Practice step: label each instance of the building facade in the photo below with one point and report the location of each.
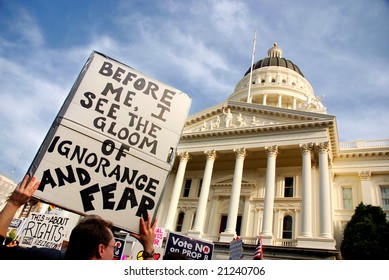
(268, 162)
(7, 186)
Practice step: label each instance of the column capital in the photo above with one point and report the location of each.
(184, 156)
(364, 175)
(306, 148)
(271, 150)
(240, 153)
(211, 154)
(323, 147)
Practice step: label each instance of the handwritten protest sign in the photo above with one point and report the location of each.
(45, 230)
(159, 232)
(112, 145)
(236, 249)
(191, 248)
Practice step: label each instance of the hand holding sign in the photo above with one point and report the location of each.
(24, 191)
(147, 235)
(20, 196)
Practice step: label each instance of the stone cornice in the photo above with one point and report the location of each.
(364, 148)
(255, 129)
(359, 154)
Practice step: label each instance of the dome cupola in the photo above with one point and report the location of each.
(275, 51)
(275, 59)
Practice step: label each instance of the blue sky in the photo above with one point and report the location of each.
(200, 47)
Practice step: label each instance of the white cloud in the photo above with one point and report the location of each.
(25, 25)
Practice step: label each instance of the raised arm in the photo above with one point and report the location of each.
(21, 195)
(146, 237)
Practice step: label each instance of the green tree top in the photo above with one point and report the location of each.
(366, 236)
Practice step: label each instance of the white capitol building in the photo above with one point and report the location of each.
(270, 163)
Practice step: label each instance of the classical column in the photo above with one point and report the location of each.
(184, 157)
(324, 191)
(366, 187)
(294, 104)
(272, 152)
(230, 232)
(306, 150)
(198, 226)
(279, 100)
(246, 221)
(264, 99)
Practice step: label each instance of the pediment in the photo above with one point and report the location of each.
(239, 116)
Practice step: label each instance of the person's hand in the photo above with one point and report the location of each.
(23, 191)
(147, 234)
(21, 195)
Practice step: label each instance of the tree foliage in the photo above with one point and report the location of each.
(366, 236)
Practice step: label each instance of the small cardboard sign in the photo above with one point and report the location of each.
(236, 249)
(159, 232)
(119, 248)
(15, 223)
(45, 230)
(189, 247)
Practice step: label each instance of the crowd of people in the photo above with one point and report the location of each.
(91, 239)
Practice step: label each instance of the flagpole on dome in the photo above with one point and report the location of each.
(251, 69)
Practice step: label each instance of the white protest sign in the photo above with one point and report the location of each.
(112, 145)
(45, 230)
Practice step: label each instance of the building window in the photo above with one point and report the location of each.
(186, 192)
(288, 191)
(180, 221)
(287, 228)
(347, 198)
(385, 197)
(200, 185)
(223, 224)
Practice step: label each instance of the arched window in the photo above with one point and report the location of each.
(180, 221)
(287, 228)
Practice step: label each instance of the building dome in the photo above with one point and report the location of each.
(275, 59)
(277, 82)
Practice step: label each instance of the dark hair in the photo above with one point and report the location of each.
(175, 256)
(8, 240)
(86, 237)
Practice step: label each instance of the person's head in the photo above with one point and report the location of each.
(8, 241)
(91, 239)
